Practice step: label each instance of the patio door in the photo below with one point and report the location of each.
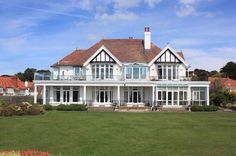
(172, 98)
(66, 96)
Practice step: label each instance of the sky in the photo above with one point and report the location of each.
(36, 34)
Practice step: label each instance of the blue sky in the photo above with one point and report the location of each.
(38, 33)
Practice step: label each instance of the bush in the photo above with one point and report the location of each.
(6, 111)
(196, 108)
(71, 107)
(48, 107)
(233, 107)
(36, 109)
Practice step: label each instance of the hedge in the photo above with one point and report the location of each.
(196, 108)
(69, 107)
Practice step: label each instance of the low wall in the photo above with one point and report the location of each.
(17, 99)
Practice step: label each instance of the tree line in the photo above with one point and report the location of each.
(228, 70)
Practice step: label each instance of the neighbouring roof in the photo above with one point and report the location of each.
(14, 82)
(227, 83)
(125, 50)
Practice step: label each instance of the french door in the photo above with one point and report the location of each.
(172, 98)
(66, 96)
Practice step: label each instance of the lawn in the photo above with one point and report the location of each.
(122, 134)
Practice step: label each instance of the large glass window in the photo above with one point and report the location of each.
(102, 71)
(199, 95)
(133, 95)
(135, 72)
(103, 94)
(167, 72)
(172, 95)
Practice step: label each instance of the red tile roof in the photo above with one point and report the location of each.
(13, 82)
(125, 50)
(227, 83)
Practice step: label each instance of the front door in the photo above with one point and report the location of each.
(66, 96)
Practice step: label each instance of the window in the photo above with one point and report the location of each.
(10, 91)
(143, 72)
(199, 95)
(102, 71)
(1, 90)
(56, 94)
(135, 72)
(167, 72)
(128, 72)
(77, 70)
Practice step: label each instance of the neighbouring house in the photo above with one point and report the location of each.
(12, 86)
(122, 72)
(226, 83)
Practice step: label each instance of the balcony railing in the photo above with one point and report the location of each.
(50, 76)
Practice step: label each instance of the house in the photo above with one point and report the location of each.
(13, 86)
(226, 83)
(130, 72)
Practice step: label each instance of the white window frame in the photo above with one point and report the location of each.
(130, 76)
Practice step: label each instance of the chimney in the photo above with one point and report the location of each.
(147, 38)
(26, 84)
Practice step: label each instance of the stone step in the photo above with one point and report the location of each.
(101, 109)
(132, 109)
(181, 109)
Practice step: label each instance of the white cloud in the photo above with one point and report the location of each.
(94, 37)
(152, 3)
(118, 15)
(185, 42)
(125, 4)
(189, 7)
(209, 59)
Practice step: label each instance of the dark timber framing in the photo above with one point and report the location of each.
(107, 58)
(176, 59)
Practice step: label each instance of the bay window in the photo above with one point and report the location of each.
(102, 71)
(168, 72)
(135, 72)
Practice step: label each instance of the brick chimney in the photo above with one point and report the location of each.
(147, 38)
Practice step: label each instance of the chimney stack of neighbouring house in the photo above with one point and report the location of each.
(147, 38)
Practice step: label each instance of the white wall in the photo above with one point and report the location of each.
(182, 71)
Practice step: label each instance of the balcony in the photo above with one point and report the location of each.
(51, 77)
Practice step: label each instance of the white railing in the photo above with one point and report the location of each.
(50, 76)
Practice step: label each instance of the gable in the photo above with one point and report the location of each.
(168, 57)
(102, 57)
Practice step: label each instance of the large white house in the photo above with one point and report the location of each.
(124, 72)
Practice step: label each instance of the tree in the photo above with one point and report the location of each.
(29, 74)
(230, 70)
(200, 75)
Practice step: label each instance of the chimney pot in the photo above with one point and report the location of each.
(147, 38)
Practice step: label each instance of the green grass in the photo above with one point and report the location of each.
(122, 134)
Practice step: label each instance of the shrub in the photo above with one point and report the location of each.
(196, 108)
(35, 109)
(48, 107)
(71, 107)
(6, 111)
(233, 107)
